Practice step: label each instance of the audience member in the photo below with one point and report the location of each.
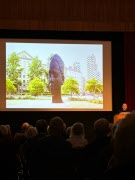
(99, 152)
(41, 126)
(77, 136)
(26, 149)
(122, 163)
(79, 142)
(54, 152)
(8, 168)
(20, 137)
(24, 126)
(68, 131)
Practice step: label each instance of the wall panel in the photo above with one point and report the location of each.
(97, 15)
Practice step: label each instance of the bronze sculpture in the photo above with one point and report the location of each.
(56, 77)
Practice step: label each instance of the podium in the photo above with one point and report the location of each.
(119, 116)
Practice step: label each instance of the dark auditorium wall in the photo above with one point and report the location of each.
(129, 64)
(68, 15)
(101, 16)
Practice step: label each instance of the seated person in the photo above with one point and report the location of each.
(77, 136)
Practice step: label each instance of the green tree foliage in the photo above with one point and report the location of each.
(36, 69)
(47, 72)
(36, 87)
(13, 69)
(93, 86)
(10, 88)
(70, 86)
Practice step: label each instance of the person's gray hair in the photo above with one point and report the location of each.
(31, 132)
(4, 130)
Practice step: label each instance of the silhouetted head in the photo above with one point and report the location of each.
(77, 129)
(24, 126)
(56, 126)
(101, 126)
(41, 126)
(3, 131)
(31, 132)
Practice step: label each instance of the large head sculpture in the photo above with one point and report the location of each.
(56, 77)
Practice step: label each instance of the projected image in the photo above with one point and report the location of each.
(54, 75)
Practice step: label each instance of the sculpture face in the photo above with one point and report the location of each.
(56, 77)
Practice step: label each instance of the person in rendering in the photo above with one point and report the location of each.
(56, 77)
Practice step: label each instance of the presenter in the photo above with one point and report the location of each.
(124, 108)
(121, 113)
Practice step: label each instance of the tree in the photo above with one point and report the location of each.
(10, 88)
(70, 86)
(36, 87)
(94, 86)
(36, 69)
(13, 69)
(46, 71)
